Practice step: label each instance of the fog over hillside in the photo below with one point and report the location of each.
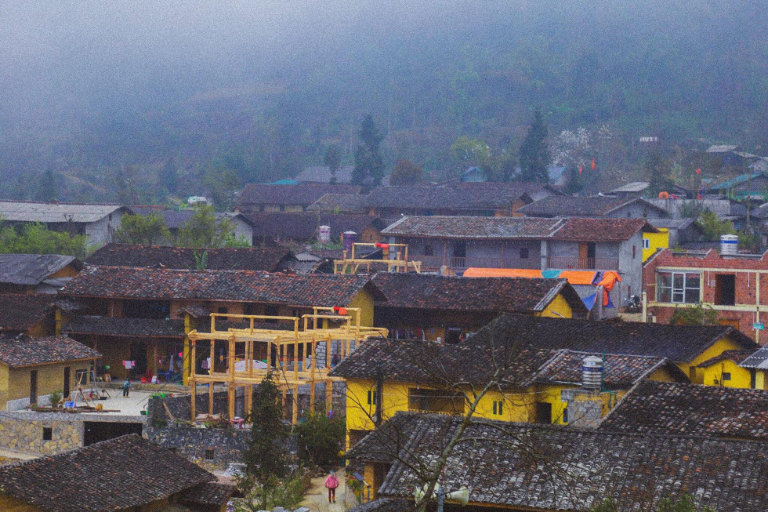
(265, 87)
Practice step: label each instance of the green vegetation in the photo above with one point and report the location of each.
(204, 231)
(713, 227)
(320, 439)
(534, 152)
(694, 315)
(369, 165)
(406, 172)
(142, 229)
(38, 239)
(266, 457)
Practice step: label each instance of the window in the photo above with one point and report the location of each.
(725, 289)
(646, 243)
(459, 249)
(634, 251)
(678, 287)
(371, 397)
(726, 376)
(523, 253)
(209, 453)
(565, 414)
(47, 433)
(498, 407)
(429, 250)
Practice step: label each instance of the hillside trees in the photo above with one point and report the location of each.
(534, 152)
(142, 229)
(332, 158)
(406, 172)
(204, 231)
(369, 164)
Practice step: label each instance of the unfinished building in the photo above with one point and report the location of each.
(297, 350)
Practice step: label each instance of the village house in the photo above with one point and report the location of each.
(142, 315)
(339, 203)
(434, 307)
(668, 408)
(30, 314)
(268, 259)
(474, 199)
(124, 474)
(97, 222)
(541, 468)
(33, 368)
(528, 243)
(293, 198)
(304, 228)
(174, 220)
(544, 384)
(757, 366)
(594, 206)
(36, 273)
(729, 284)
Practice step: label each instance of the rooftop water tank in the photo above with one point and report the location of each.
(592, 373)
(729, 244)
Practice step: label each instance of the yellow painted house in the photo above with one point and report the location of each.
(757, 366)
(653, 242)
(548, 384)
(33, 368)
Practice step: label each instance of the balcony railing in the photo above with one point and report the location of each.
(573, 262)
(458, 262)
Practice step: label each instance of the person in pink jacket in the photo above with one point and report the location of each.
(331, 483)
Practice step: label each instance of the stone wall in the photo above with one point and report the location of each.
(26, 434)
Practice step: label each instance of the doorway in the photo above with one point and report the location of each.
(33, 387)
(725, 289)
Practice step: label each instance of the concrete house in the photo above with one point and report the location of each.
(527, 243)
(97, 222)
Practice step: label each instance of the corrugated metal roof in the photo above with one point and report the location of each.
(22, 211)
(635, 186)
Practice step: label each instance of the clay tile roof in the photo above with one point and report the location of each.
(338, 203)
(112, 326)
(20, 312)
(602, 230)
(208, 494)
(571, 206)
(29, 211)
(678, 343)
(674, 408)
(124, 255)
(229, 285)
(457, 196)
(546, 467)
(621, 370)
(737, 356)
(497, 294)
(432, 363)
(299, 194)
(502, 228)
(303, 227)
(118, 474)
(33, 269)
(26, 351)
(384, 505)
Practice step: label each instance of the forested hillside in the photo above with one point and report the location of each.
(140, 104)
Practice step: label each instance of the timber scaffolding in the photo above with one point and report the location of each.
(290, 355)
(393, 256)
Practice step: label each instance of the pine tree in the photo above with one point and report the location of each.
(46, 189)
(369, 165)
(333, 160)
(168, 177)
(266, 457)
(534, 152)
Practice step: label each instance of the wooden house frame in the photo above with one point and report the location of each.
(286, 351)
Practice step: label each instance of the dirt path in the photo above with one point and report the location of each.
(316, 498)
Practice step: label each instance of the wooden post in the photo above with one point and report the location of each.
(295, 404)
(154, 358)
(328, 395)
(231, 384)
(312, 377)
(210, 398)
(192, 391)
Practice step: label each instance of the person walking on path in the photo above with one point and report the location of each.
(331, 483)
(126, 387)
